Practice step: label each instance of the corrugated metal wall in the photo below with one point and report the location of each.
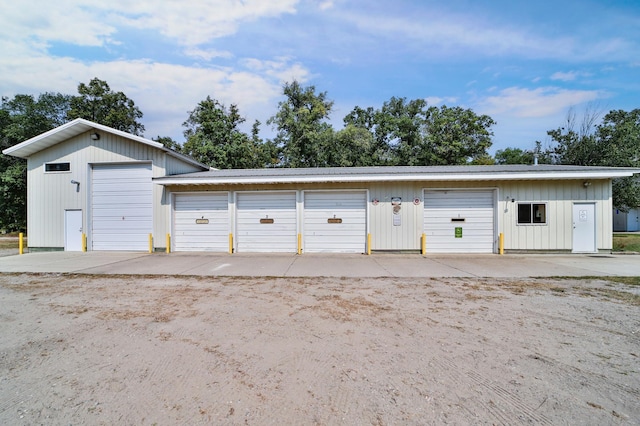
(50, 194)
(405, 232)
(557, 233)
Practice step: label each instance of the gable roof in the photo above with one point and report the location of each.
(400, 173)
(78, 126)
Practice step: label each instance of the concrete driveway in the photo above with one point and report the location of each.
(324, 265)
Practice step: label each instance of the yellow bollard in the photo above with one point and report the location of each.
(150, 243)
(230, 243)
(501, 243)
(368, 244)
(21, 243)
(299, 243)
(84, 242)
(168, 243)
(423, 244)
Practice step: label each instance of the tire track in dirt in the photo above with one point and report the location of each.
(513, 404)
(566, 370)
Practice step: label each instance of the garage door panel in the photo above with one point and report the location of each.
(441, 208)
(335, 221)
(117, 192)
(266, 222)
(201, 222)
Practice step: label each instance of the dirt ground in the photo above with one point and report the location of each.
(78, 349)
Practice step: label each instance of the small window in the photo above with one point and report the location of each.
(529, 213)
(57, 167)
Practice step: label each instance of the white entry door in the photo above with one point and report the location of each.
(584, 228)
(73, 230)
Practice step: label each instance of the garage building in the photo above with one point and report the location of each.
(91, 187)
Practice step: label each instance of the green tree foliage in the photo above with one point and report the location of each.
(98, 103)
(303, 133)
(22, 118)
(169, 143)
(456, 135)
(513, 156)
(615, 142)
(410, 133)
(213, 138)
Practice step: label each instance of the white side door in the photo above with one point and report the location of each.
(584, 228)
(73, 230)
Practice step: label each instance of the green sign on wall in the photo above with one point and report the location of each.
(459, 232)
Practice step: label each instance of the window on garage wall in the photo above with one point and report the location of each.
(532, 213)
(57, 167)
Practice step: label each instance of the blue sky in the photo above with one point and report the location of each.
(523, 63)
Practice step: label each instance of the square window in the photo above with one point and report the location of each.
(529, 213)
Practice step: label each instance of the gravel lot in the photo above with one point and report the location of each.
(82, 349)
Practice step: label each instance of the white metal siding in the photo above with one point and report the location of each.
(443, 213)
(349, 208)
(121, 207)
(201, 222)
(254, 209)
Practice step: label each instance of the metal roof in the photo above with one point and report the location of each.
(400, 173)
(77, 127)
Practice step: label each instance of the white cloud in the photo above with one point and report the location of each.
(434, 100)
(206, 54)
(96, 22)
(326, 5)
(568, 76)
(540, 102)
(564, 76)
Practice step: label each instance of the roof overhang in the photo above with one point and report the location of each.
(78, 127)
(380, 175)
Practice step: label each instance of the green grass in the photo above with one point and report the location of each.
(626, 242)
(10, 242)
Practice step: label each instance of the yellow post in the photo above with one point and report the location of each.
(299, 243)
(168, 243)
(230, 243)
(84, 242)
(150, 243)
(21, 243)
(423, 244)
(369, 244)
(501, 244)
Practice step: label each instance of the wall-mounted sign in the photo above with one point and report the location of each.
(334, 220)
(396, 201)
(397, 220)
(202, 221)
(266, 220)
(458, 232)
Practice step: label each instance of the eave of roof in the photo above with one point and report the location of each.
(395, 174)
(78, 126)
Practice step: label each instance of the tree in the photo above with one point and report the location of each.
(98, 103)
(455, 136)
(213, 138)
(22, 118)
(168, 142)
(615, 143)
(302, 128)
(350, 147)
(400, 124)
(409, 133)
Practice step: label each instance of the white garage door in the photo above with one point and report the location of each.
(335, 222)
(459, 221)
(266, 222)
(121, 207)
(201, 222)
